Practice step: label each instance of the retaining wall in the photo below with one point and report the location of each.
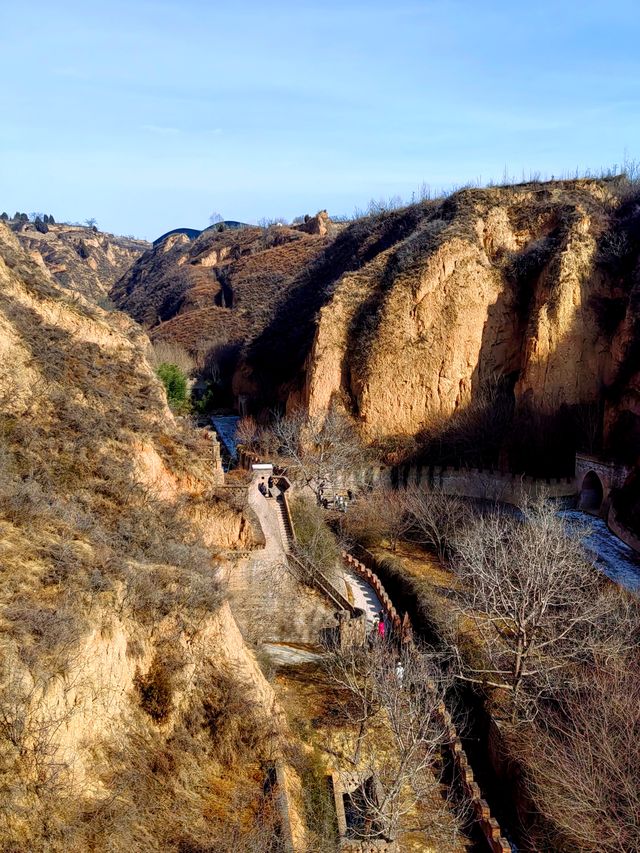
(623, 532)
(215, 450)
(351, 845)
(292, 831)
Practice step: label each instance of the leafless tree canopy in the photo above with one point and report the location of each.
(536, 602)
(165, 352)
(378, 514)
(390, 697)
(582, 763)
(435, 519)
(319, 451)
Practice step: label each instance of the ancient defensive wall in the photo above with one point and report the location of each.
(482, 484)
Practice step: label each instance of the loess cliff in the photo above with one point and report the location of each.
(490, 283)
(495, 327)
(132, 717)
(80, 258)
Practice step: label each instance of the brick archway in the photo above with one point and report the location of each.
(591, 493)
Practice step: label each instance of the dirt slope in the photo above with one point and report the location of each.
(131, 715)
(221, 287)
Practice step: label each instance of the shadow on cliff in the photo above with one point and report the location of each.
(278, 354)
(499, 428)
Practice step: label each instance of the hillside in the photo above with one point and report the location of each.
(121, 667)
(80, 258)
(496, 327)
(533, 287)
(221, 288)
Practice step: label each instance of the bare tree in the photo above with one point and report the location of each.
(391, 699)
(215, 218)
(247, 432)
(378, 514)
(168, 352)
(536, 602)
(319, 452)
(428, 516)
(434, 518)
(581, 762)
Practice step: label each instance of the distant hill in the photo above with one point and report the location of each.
(79, 257)
(192, 233)
(221, 287)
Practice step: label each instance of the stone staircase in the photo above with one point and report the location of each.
(284, 523)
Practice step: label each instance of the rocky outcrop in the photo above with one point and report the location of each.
(80, 258)
(412, 334)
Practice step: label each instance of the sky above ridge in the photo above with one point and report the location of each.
(152, 114)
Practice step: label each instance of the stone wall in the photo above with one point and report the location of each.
(352, 845)
(470, 789)
(623, 532)
(216, 459)
(611, 476)
(482, 484)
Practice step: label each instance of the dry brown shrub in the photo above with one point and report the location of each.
(155, 691)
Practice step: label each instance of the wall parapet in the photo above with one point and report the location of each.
(482, 483)
(479, 807)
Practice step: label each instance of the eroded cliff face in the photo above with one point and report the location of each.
(220, 287)
(80, 258)
(130, 710)
(411, 335)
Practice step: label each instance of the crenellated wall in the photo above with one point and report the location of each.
(471, 790)
(482, 484)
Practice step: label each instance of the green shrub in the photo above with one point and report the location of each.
(207, 402)
(175, 383)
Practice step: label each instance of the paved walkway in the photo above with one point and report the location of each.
(268, 515)
(364, 596)
(284, 654)
(266, 572)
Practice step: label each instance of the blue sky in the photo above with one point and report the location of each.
(151, 115)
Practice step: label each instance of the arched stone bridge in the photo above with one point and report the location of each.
(595, 480)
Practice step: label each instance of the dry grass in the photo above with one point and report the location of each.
(190, 304)
(197, 787)
(108, 521)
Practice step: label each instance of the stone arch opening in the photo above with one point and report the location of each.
(591, 493)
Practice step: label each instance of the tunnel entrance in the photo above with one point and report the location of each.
(591, 493)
